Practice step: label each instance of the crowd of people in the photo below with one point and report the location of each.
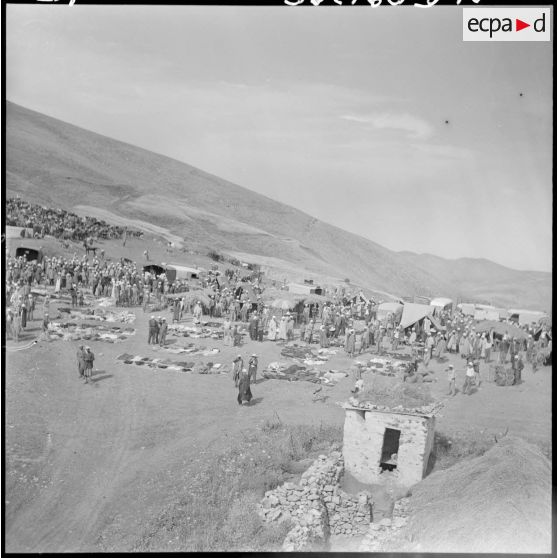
(60, 223)
(241, 301)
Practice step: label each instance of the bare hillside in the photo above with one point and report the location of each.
(55, 163)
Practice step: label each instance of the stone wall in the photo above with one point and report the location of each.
(379, 534)
(318, 506)
(363, 440)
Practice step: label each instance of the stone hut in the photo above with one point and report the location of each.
(381, 443)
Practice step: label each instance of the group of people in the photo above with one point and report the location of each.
(59, 223)
(85, 359)
(158, 328)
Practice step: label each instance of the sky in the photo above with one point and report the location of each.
(338, 111)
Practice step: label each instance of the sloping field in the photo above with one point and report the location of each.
(500, 502)
(57, 164)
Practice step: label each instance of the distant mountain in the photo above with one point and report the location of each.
(485, 281)
(58, 164)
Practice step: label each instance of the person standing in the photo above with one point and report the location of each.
(88, 358)
(80, 362)
(244, 392)
(30, 306)
(350, 344)
(238, 365)
(428, 345)
(504, 348)
(153, 329)
(517, 369)
(451, 379)
(324, 342)
(365, 339)
(469, 378)
(310, 331)
(272, 330)
(163, 332)
(253, 367)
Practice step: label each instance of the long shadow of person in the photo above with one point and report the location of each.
(100, 376)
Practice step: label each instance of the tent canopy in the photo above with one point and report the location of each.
(441, 301)
(526, 316)
(413, 312)
(181, 272)
(487, 313)
(501, 328)
(467, 308)
(29, 254)
(389, 307)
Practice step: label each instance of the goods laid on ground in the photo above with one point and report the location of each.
(502, 376)
(98, 314)
(167, 364)
(88, 332)
(194, 332)
(295, 372)
(382, 365)
(191, 349)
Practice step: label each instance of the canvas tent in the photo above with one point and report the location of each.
(154, 269)
(29, 253)
(486, 312)
(389, 307)
(442, 303)
(176, 272)
(468, 309)
(412, 313)
(525, 316)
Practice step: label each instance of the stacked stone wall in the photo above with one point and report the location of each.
(318, 506)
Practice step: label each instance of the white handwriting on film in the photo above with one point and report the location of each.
(373, 3)
(72, 2)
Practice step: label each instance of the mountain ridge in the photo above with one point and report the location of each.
(56, 162)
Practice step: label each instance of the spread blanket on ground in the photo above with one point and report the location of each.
(91, 332)
(167, 364)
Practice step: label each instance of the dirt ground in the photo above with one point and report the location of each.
(89, 466)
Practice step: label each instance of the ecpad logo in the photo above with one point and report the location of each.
(506, 24)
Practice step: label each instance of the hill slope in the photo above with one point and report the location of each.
(55, 163)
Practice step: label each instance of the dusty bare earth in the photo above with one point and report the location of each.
(89, 467)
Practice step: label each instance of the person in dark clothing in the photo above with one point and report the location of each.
(88, 358)
(153, 330)
(80, 361)
(163, 332)
(244, 393)
(517, 368)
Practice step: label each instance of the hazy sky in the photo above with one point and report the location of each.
(338, 111)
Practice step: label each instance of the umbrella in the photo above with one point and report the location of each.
(283, 304)
(500, 328)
